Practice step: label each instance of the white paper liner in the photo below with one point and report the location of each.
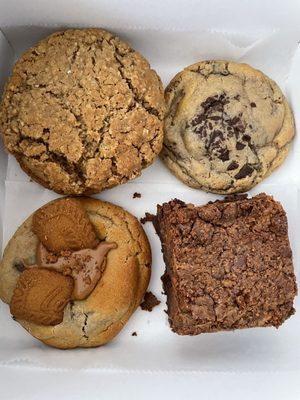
(156, 348)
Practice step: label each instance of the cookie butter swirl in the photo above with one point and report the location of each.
(84, 266)
(68, 244)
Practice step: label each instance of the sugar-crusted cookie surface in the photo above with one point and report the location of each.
(227, 127)
(82, 112)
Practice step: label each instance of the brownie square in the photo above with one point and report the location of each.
(228, 264)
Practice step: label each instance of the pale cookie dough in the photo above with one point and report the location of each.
(96, 320)
(227, 127)
(82, 112)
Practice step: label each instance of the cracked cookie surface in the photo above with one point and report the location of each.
(82, 112)
(99, 318)
(227, 127)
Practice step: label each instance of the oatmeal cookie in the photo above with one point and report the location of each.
(82, 112)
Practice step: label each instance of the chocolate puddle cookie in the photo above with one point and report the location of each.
(227, 127)
(82, 112)
(228, 264)
(75, 271)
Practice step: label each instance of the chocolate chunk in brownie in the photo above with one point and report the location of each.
(228, 264)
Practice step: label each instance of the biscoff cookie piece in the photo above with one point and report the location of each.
(228, 126)
(64, 225)
(82, 112)
(40, 296)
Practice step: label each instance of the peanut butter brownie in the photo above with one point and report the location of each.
(228, 264)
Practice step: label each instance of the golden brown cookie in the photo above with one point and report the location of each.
(40, 296)
(228, 126)
(64, 225)
(97, 319)
(82, 112)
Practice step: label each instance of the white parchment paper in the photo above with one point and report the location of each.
(156, 347)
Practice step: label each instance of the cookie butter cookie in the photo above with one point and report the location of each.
(76, 293)
(82, 112)
(227, 127)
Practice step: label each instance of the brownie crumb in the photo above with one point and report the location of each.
(136, 195)
(148, 218)
(150, 301)
(234, 197)
(134, 334)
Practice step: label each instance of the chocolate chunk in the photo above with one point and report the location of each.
(240, 128)
(215, 126)
(136, 195)
(247, 138)
(252, 104)
(19, 265)
(246, 170)
(150, 301)
(198, 119)
(224, 155)
(234, 120)
(240, 146)
(233, 165)
(134, 334)
(216, 135)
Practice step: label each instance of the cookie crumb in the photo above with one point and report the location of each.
(136, 195)
(148, 218)
(150, 301)
(134, 334)
(19, 265)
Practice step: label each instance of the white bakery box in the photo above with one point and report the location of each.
(171, 35)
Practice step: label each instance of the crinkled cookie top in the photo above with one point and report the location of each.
(82, 112)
